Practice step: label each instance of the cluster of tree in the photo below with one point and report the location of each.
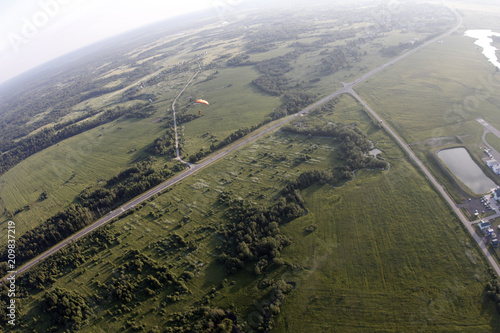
(395, 50)
(127, 185)
(273, 80)
(67, 309)
(253, 235)
(164, 145)
(257, 47)
(173, 243)
(268, 34)
(295, 102)
(240, 60)
(52, 231)
(337, 59)
(28, 146)
(46, 272)
(273, 85)
(203, 319)
(92, 204)
(140, 277)
(4, 301)
(493, 291)
(85, 115)
(307, 179)
(354, 145)
(270, 307)
(141, 112)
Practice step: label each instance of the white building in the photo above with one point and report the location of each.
(496, 194)
(491, 163)
(484, 226)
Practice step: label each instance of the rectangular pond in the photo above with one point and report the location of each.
(466, 170)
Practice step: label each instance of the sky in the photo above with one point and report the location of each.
(33, 32)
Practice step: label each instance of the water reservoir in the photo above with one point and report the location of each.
(464, 168)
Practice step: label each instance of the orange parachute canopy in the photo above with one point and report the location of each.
(201, 101)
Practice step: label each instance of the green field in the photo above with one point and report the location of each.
(64, 170)
(447, 75)
(433, 97)
(234, 103)
(493, 140)
(381, 252)
(387, 253)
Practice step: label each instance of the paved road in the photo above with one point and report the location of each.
(479, 239)
(196, 167)
(490, 129)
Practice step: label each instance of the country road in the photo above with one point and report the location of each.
(177, 153)
(348, 89)
(470, 228)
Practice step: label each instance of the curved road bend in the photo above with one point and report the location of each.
(194, 168)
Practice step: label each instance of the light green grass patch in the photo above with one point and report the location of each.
(64, 170)
(428, 89)
(234, 103)
(493, 140)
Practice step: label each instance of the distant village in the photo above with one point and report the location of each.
(492, 163)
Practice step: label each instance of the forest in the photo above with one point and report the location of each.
(253, 235)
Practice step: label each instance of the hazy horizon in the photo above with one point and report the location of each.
(35, 32)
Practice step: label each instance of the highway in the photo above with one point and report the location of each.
(193, 168)
(470, 228)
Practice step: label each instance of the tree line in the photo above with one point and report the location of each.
(236, 135)
(354, 145)
(90, 205)
(22, 149)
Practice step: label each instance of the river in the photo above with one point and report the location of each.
(484, 40)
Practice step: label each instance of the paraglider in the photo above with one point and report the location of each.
(201, 101)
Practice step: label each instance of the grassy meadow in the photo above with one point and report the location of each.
(493, 140)
(387, 254)
(433, 97)
(234, 103)
(64, 170)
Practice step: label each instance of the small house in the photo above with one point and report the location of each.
(484, 226)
